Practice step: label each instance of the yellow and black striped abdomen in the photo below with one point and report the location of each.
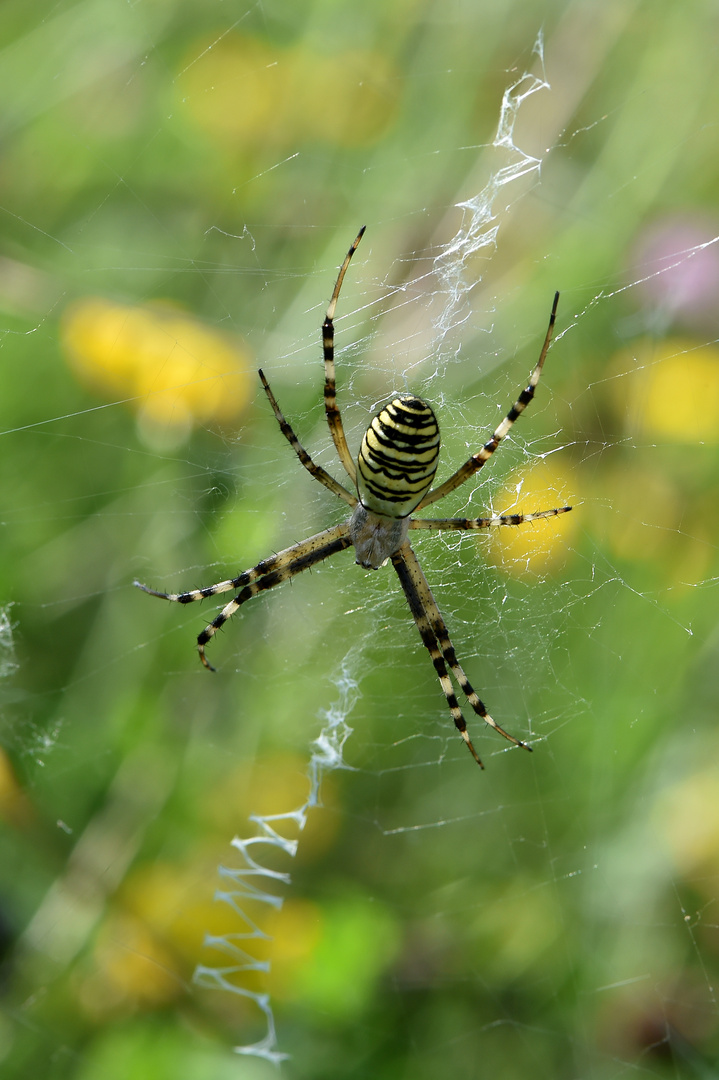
(398, 457)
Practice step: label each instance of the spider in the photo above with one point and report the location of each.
(393, 478)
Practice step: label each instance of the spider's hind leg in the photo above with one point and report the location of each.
(417, 607)
(436, 639)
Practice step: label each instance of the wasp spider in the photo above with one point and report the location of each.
(393, 478)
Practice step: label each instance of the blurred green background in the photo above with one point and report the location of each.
(179, 184)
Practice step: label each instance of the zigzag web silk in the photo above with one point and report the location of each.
(251, 881)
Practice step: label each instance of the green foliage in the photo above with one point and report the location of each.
(195, 167)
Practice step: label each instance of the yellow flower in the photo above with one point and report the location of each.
(174, 370)
(245, 91)
(537, 545)
(130, 969)
(674, 391)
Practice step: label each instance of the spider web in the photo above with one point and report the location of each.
(450, 282)
(369, 820)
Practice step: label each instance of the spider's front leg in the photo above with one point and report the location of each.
(332, 412)
(485, 522)
(500, 433)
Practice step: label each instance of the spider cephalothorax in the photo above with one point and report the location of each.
(392, 478)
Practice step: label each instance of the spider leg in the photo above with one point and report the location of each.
(436, 639)
(265, 575)
(315, 470)
(482, 456)
(486, 522)
(429, 637)
(334, 419)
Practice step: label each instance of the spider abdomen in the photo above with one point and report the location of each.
(398, 457)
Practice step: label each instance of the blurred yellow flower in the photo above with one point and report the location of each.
(277, 784)
(15, 808)
(649, 515)
(296, 931)
(674, 391)
(130, 969)
(175, 370)
(176, 903)
(244, 90)
(538, 545)
(687, 815)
